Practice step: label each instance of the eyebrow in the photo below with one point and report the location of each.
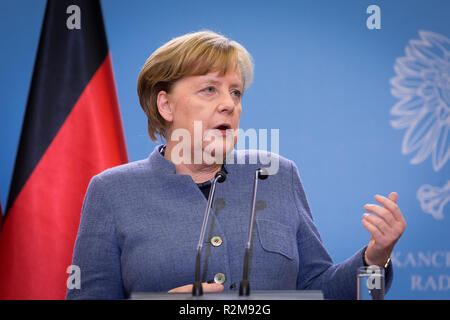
(215, 82)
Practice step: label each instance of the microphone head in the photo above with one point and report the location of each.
(263, 173)
(221, 175)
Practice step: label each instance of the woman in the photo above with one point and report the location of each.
(141, 221)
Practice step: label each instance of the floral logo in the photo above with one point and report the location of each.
(433, 199)
(422, 85)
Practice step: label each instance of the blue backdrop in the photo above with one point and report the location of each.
(361, 111)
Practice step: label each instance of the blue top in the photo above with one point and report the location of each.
(141, 222)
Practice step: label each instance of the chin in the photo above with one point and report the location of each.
(215, 153)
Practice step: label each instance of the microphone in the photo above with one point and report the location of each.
(197, 289)
(244, 287)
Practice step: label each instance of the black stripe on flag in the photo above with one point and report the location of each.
(65, 63)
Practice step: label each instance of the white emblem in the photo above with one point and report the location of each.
(433, 199)
(422, 85)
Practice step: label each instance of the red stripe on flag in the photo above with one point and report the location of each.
(38, 235)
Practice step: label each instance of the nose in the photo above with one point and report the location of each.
(227, 103)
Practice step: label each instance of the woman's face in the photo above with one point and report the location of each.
(207, 107)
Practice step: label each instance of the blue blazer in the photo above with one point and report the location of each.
(141, 222)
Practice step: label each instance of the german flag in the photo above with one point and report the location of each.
(72, 130)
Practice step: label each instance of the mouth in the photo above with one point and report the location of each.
(223, 127)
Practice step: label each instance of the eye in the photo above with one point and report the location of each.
(209, 90)
(236, 93)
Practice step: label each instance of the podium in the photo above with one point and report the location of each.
(254, 295)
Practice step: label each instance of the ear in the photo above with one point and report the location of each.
(164, 109)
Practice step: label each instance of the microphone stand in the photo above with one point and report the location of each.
(197, 289)
(244, 287)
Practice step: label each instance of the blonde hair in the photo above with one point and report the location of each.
(191, 54)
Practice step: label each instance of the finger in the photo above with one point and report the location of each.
(207, 287)
(212, 287)
(377, 222)
(383, 234)
(383, 213)
(390, 205)
(379, 240)
(186, 288)
(396, 227)
(375, 234)
(393, 196)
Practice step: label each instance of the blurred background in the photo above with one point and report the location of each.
(362, 102)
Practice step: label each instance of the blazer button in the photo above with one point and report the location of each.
(216, 241)
(219, 278)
